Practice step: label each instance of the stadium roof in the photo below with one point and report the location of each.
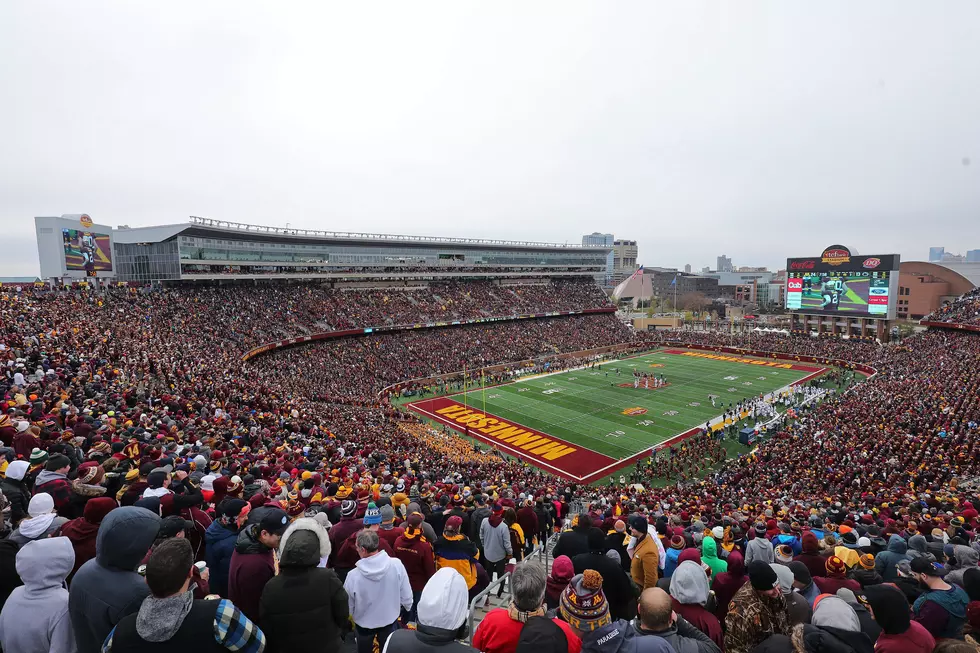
(207, 226)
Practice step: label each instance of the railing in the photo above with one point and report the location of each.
(482, 596)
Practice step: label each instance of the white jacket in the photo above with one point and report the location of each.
(377, 587)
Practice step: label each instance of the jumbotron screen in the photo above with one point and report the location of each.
(87, 251)
(838, 282)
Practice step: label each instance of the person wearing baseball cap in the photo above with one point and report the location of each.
(942, 607)
(757, 611)
(253, 562)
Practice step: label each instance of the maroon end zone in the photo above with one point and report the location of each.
(779, 364)
(543, 450)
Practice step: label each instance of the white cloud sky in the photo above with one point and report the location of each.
(756, 129)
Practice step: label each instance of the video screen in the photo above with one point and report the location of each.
(87, 251)
(861, 294)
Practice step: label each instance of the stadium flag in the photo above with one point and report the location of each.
(483, 382)
(464, 384)
(673, 281)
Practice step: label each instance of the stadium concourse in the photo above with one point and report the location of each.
(137, 441)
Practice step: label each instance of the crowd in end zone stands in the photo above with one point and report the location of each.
(963, 310)
(145, 467)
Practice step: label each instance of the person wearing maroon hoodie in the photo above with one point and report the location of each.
(416, 555)
(528, 521)
(348, 525)
(25, 441)
(83, 531)
(7, 431)
(811, 557)
(836, 578)
(727, 583)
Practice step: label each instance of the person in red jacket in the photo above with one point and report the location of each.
(416, 555)
(836, 578)
(53, 480)
(347, 526)
(811, 557)
(253, 563)
(83, 531)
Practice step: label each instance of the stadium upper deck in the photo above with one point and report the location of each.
(213, 249)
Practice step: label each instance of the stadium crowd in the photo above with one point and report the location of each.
(963, 310)
(146, 467)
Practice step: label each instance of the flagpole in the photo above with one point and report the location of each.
(464, 384)
(483, 382)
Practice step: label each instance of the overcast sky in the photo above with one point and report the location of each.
(760, 130)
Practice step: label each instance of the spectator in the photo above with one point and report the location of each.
(864, 571)
(347, 526)
(171, 616)
(908, 583)
(376, 588)
(971, 584)
(418, 559)
(645, 568)
(803, 582)
(616, 583)
(677, 546)
(253, 563)
(500, 629)
(942, 607)
(562, 572)
(689, 592)
(834, 627)
(14, 488)
(727, 583)
(9, 579)
(53, 480)
(107, 588)
(455, 551)
(35, 617)
(544, 519)
(757, 611)
(836, 577)
(518, 540)
(759, 548)
(495, 536)
(442, 610)
(388, 531)
(798, 609)
(575, 541)
(966, 559)
(657, 617)
(709, 556)
(219, 540)
(584, 607)
(42, 523)
(899, 633)
(810, 555)
(305, 607)
(886, 561)
(82, 532)
(479, 513)
(617, 540)
(542, 635)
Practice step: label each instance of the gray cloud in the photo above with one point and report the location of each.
(758, 129)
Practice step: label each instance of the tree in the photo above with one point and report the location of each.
(693, 301)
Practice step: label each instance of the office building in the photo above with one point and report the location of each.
(936, 254)
(724, 264)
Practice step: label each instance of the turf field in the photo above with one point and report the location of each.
(586, 420)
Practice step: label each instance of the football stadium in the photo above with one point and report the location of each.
(634, 327)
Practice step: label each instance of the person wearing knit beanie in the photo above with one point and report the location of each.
(836, 578)
(372, 517)
(583, 604)
(38, 457)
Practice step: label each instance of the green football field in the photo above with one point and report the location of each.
(586, 407)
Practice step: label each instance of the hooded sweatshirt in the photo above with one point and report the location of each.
(106, 589)
(966, 558)
(834, 627)
(689, 591)
(886, 562)
(376, 588)
(496, 539)
(442, 611)
(35, 617)
(759, 548)
(727, 583)
(899, 634)
(709, 556)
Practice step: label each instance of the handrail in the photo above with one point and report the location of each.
(477, 599)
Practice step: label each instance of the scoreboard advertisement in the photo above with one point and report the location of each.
(839, 282)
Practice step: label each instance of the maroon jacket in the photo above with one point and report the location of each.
(528, 521)
(25, 443)
(418, 559)
(60, 490)
(339, 534)
(391, 535)
(830, 585)
(348, 556)
(82, 534)
(727, 583)
(252, 566)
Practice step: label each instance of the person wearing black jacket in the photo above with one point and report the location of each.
(546, 520)
(576, 541)
(616, 541)
(305, 607)
(480, 513)
(615, 583)
(14, 488)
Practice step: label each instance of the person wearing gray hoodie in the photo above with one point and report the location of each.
(35, 617)
(759, 548)
(966, 558)
(886, 562)
(107, 588)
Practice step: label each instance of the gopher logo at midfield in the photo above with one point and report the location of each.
(636, 410)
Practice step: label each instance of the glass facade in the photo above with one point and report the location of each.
(193, 248)
(147, 261)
